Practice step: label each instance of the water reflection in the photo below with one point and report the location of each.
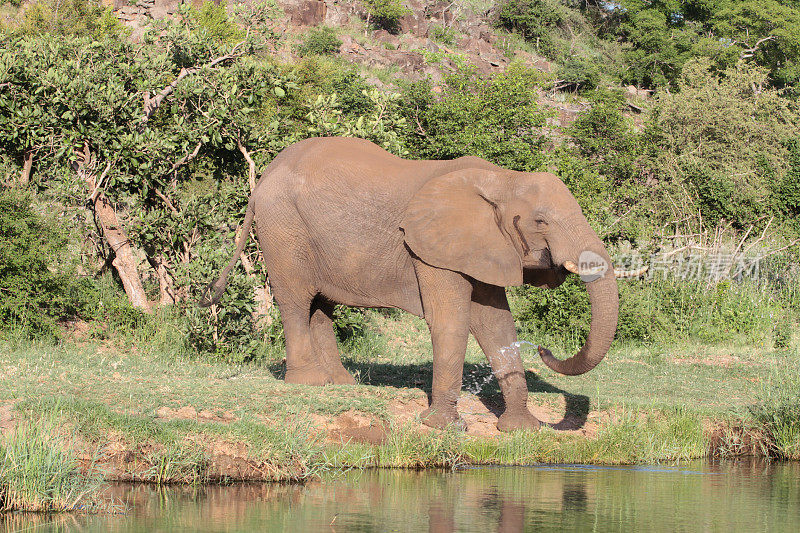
(700, 496)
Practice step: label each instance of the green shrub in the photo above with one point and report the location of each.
(787, 190)
(32, 296)
(212, 19)
(580, 73)
(726, 141)
(321, 41)
(606, 138)
(497, 118)
(443, 34)
(386, 14)
(536, 20)
(70, 18)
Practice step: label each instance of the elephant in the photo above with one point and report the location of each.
(342, 221)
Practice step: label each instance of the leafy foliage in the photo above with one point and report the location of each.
(34, 297)
(534, 19)
(497, 119)
(386, 13)
(321, 41)
(723, 138)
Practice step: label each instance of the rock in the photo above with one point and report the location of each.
(414, 23)
(431, 46)
(384, 36)
(307, 12)
(163, 8)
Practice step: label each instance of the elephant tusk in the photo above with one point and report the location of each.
(631, 273)
(572, 267)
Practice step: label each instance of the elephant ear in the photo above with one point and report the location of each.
(453, 222)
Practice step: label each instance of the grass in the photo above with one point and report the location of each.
(647, 404)
(40, 472)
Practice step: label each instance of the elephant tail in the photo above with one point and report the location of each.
(213, 291)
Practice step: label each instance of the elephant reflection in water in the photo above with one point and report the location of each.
(512, 511)
(503, 501)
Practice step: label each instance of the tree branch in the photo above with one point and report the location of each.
(251, 173)
(27, 165)
(750, 52)
(151, 104)
(185, 159)
(93, 197)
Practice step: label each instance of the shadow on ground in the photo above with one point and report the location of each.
(477, 380)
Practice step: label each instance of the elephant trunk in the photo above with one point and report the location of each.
(604, 300)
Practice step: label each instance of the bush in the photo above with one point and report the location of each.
(443, 34)
(606, 138)
(497, 119)
(536, 20)
(727, 141)
(787, 190)
(321, 41)
(657, 310)
(70, 18)
(580, 73)
(32, 296)
(386, 14)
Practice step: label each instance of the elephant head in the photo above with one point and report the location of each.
(508, 228)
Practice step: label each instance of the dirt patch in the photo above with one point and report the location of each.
(724, 360)
(212, 461)
(738, 441)
(190, 413)
(353, 426)
(7, 422)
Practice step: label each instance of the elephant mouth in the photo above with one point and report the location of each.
(539, 258)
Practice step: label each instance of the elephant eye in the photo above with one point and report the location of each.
(541, 223)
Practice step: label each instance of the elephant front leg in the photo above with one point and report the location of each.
(445, 301)
(492, 325)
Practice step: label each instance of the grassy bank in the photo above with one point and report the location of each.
(131, 410)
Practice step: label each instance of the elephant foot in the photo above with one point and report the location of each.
(517, 420)
(308, 376)
(340, 375)
(442, 417)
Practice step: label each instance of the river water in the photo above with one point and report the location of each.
(698, 496)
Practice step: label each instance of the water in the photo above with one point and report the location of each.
(702, 496)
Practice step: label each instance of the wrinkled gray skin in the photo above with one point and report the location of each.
(340, 220)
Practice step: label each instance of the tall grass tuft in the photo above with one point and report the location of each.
(38, 472)
(779, 412)
(408, 446)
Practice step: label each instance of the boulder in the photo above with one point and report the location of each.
(307, 12)
(163, 8)
(414, 23)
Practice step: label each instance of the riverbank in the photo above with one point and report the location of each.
(129, 410)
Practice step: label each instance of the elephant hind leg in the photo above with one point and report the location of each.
(302, 364)
(324, 340)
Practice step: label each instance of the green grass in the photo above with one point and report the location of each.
(40, 472)
(648, 404)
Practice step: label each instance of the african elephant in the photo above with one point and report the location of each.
(340, 220)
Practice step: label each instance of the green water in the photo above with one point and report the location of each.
(702, 496)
